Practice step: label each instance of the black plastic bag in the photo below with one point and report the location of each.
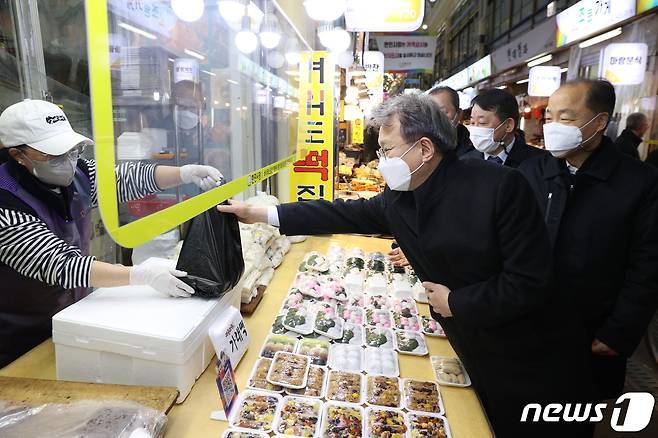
(212, 254)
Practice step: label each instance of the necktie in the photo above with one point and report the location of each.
(494, 159)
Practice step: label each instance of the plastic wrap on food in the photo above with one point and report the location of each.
(86, 418)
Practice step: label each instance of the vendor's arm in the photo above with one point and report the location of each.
(30, 248)
(522, 286)
(317, 217)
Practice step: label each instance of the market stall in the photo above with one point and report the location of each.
(191, 418)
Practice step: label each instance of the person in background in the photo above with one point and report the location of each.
(630, 138)
(46, 194)
(601, 209)
(474, 235)
(448, 101)
(494, 121)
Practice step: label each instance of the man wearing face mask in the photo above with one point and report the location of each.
(46, 195)
(494, 119)
(601, 209)
(474, 235)
(448, 101)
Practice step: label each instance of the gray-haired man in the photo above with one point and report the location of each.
(637, 124)
(474, 235)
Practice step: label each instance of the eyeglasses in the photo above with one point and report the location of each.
(54, 160)
(381, 152)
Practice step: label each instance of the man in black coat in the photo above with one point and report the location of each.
(601, 208)
(494, 121)
(448, 101)
(630, 138)
(474, 235)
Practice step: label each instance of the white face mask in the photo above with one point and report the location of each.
(396, 171)
(187, 119)
(560, 139)
(483, 138)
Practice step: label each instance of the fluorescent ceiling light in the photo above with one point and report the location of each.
(536, 56)
(138, 31)
(523, 81)
(209, 73)
(231, 81)
(597, 39)
(541, 60)
(194, 54)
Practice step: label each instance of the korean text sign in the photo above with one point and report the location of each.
(312, 174)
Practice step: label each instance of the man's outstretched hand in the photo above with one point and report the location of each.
(246, 213)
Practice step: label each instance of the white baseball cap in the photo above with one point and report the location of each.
(40, 125)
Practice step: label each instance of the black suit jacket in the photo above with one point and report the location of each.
(603, 223)
(476, 229)
(464, 145)
(520, 152)
(627, 143)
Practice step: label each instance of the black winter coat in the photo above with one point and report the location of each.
(476, 229)
(603, 223)
(520, 152)
(627, 143)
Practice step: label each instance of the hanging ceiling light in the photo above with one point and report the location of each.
(325, 10)
(345, 59)
(188, 10)
(270, 32)
(231, 10)
(334, 38)
(292, 51)
(275, 59)
(246, 41)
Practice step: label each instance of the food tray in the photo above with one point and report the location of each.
(406, 322)
(318, 350)
(352, 334)
(345, 357)
(383, 391)
(275, 343)
(307, 284)
(431, 327)
(261, 419)
(278, 328)
(377, 301)
(441, 431)
(258, 378)
(328, 324)
(439, 371)
(379, 338)
(316, 384)
(283, 364)
(314, 262)
(337, 383)
(410, 342)
(299, 417)
(382, 361)
(430, 396)
(352, 314)
(404, 306)
(243, 433)
(341, 420)
(393, 425)
(376, 284)
(300, 321)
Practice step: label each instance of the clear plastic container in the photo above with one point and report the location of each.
(289, 370)
(329, 325)
(382, 361)
(300, 321)
(383, 391)
(402, 322)
(255, 410)
(243, 433)
(450, 371)
(379, 318)
(275, 343)
(409, 342)
(428, 425)
(278, 328)
(376, 283)
(352, 334)
(316, 383)
(307, 284)
(345, 357)
(258, 379)
(299, 417)
(318, 350)
(314, 262)
(378, 301)
(431, 327)
(341, 420)
(379, 338)
(422, 396)
(353, 314)
(387, 422)
(404, 306)
(333, 288)
(345, 387)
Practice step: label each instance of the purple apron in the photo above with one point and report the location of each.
(27, 305)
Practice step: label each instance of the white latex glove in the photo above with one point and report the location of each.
(205, 177)
(161, 277)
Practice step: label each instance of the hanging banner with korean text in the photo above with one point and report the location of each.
(624, 63)
(588, 17)
(407, 53)
(543, 80)
(312, 174)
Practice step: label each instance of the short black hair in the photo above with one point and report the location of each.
(454, 96)
(601, 95)
(502, 103)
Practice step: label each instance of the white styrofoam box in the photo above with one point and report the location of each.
(133, 335)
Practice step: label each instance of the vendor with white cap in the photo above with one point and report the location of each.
(46, 195)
